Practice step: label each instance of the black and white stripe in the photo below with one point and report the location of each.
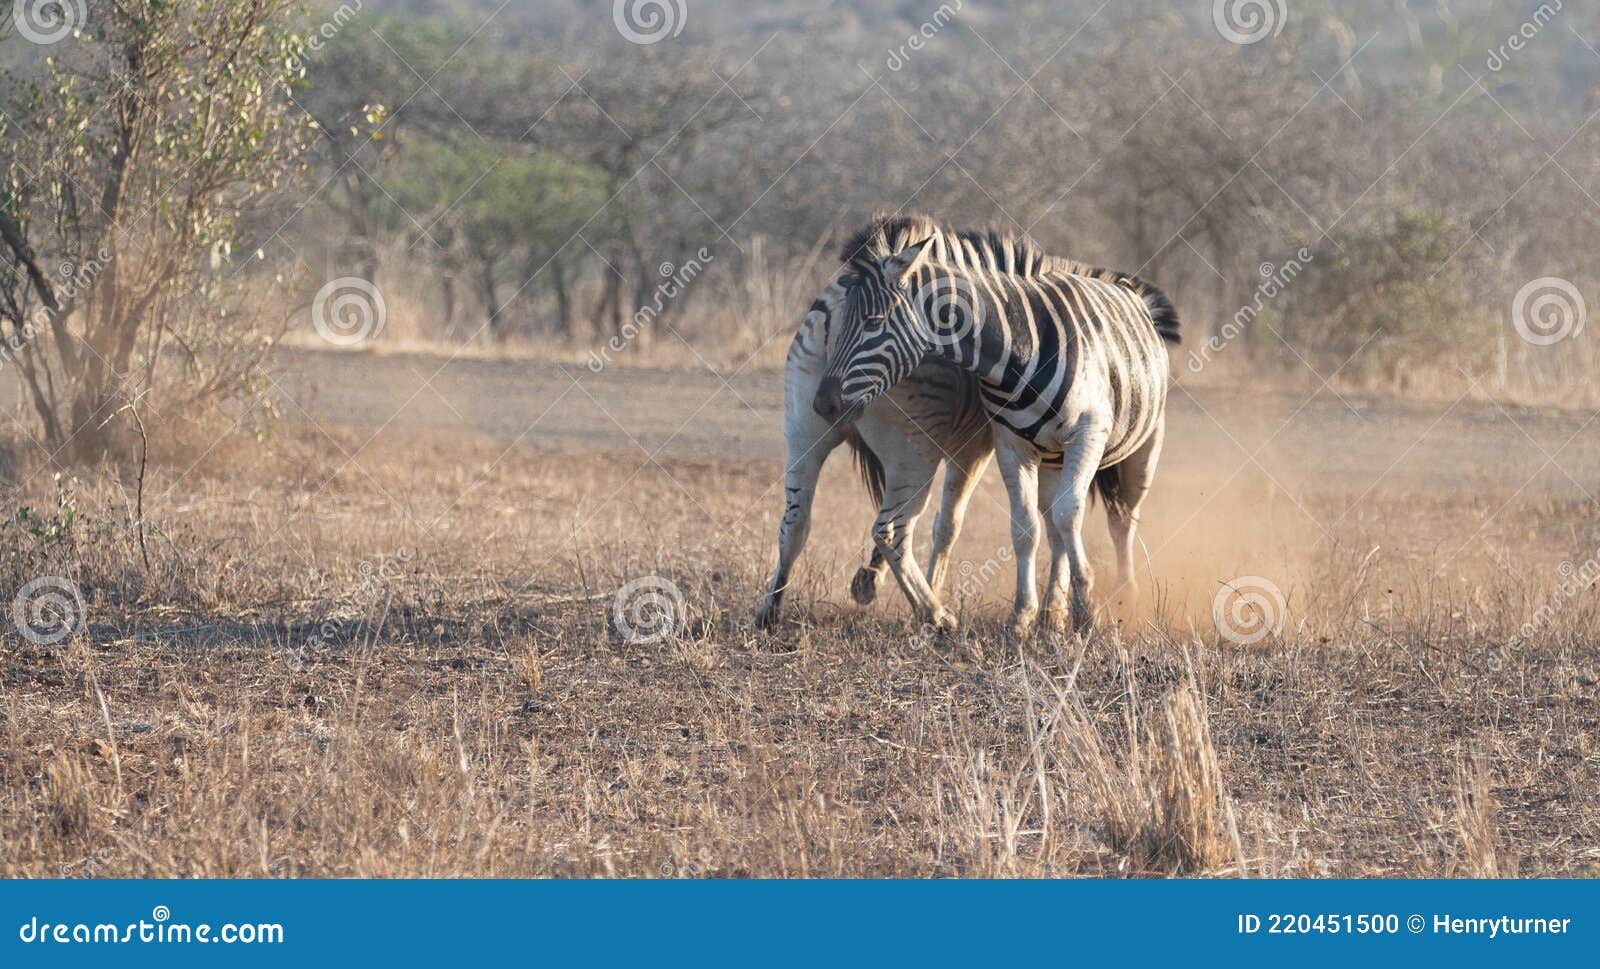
(934, 416)
(1071, 364)
(1028, 338)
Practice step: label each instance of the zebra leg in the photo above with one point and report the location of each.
(905, 497)
(960, 481)
(864, 587)
(807, 451)
(1080, 461)
(1134, 476)
(1056, 604)
(1020, 470)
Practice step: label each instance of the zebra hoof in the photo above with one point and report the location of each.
(1055, 622)
(864, 587)
(1020, 626)
(1087, 627)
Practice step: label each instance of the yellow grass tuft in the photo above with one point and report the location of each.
(1158, 789)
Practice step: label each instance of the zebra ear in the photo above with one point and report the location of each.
(903, 263)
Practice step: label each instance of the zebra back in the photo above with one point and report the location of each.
(997, 251)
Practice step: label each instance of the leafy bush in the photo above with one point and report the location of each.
(1392, 298)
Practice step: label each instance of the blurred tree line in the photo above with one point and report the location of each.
(531, 178)
(538, 173)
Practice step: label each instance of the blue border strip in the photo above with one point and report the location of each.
(782, 923)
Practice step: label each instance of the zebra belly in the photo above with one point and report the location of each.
(1127, 434)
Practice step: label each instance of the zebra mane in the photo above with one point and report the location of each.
(887, 234)
(996, 251)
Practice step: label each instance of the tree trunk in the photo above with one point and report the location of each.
(447, 292)
(608, 311)
(643, 293)
(558, 276)
(491, 296)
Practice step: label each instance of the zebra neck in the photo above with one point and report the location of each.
(974, 332)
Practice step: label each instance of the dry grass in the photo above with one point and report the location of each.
(410, 667)
(1475, 808)
(1158, 786)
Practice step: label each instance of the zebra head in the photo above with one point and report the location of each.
(898, 310)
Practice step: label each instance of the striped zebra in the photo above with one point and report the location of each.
(934, 415)
(1072, 369)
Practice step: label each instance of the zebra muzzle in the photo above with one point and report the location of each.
(829, 402)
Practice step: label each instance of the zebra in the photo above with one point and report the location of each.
(1073, 372)
(899, 443)
(935, 414)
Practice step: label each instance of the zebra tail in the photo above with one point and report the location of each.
(1160, 308)
(870, 467)
(1108, 488)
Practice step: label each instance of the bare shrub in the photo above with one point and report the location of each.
(124, 194)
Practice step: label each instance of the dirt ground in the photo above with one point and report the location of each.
(693, 413)
(403, 637)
